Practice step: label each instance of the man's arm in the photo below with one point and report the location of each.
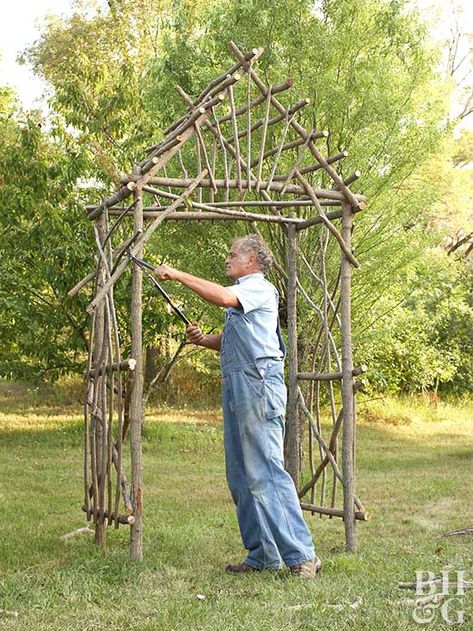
(196, 336)
(206, 289)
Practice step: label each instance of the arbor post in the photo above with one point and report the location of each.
(97, 429)
(136, 401)
(347, 386)
(293, 464)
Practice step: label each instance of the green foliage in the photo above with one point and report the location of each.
(41, 248)
(425, 341)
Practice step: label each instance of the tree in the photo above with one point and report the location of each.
(42, 332)
(366, 66)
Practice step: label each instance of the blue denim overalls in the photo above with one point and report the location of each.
(253, 402)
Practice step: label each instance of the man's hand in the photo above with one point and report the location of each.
(194, 334)
(165, 272)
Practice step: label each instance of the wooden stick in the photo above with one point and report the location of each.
(293, 465)
(318, 419)
(154, 211)
(340, 184)
(125, 364)
(325, 460)
(79, 531)
(100, 357)
(191, 117)
(181, 163)
(117, 461)
(288, 118)
(117, 253)
(219, 138)
(323, 193)
(276, 119)
(136, 401)
(437, 581)
(299, 129)
(142, 180)
(313, 398)
(227, 80)
(259, 162)
(254, 54)
(292, 145)
(333, 512)
(198, 162)
(248, 130)
(171, 130)
(120, 251)
(297, 163)
(88, 390)
(110, 401)
(347, 385)
(140, 242)
(217, 210)
(207, 162)
(253, 203)
(324, 240)
(331, 376)
(331, 216)
(236, 142)
(123, 519)
(108, 448)
(82, 283)
(212, 169)
(328, 453)
(352, 178)
(457, 533)
(317, 309)
(149, 163)
(314, 167)
(121, 485)
(275, 89)
(322, 285)
(310, 192)
(103, 445)
(220, 214)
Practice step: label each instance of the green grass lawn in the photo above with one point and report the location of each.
(415, 467)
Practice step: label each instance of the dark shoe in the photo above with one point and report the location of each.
(308, 569)
(240, 568)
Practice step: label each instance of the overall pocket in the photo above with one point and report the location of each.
(253, 380)
(272, 372)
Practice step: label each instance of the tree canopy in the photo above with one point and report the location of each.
(369, 71)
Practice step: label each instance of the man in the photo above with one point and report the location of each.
(253, 401)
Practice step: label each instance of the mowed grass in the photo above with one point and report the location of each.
(415, 466)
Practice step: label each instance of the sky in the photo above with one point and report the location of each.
(19, 28)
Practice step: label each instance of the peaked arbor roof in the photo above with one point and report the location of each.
(232, 166)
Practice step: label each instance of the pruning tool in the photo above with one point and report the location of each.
(145, 266)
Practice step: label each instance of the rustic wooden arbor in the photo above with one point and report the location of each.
(216, 163)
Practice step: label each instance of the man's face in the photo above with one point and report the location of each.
(238, 264)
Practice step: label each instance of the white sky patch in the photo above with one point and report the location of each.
(21, 18)
(19, 28)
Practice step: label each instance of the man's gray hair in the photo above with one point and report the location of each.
(253, 244)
